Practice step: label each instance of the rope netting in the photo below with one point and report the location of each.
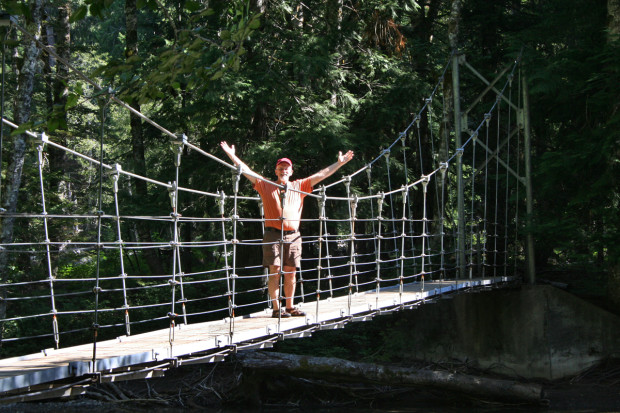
(377, 227)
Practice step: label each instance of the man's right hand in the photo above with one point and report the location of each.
(230, 150)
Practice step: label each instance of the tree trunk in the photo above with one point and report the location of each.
(329, 369)
(137, 140)
(23, 108)
(613, 27)
(454, 24)
(613, 15)
(58, 158)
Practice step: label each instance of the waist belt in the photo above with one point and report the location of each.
(272, 229)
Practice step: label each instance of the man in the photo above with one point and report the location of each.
(274, 224)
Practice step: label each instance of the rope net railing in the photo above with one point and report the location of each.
(383, 225)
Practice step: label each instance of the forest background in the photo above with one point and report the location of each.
(308, 79)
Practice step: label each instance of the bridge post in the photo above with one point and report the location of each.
(459, 168)
(529, 201)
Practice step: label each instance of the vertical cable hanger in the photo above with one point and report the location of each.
(485, 218)
(320, 241)
(232, 276)
(97, 289)
(507, 192)
(50, 276)
(115, 174)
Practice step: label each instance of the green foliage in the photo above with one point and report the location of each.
(305, 83)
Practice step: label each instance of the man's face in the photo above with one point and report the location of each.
(284, 172)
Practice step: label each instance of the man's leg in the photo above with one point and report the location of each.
(273, 286)
(289, 285)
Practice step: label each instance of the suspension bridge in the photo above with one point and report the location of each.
(381, 241)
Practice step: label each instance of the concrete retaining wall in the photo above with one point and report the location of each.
(532, 332)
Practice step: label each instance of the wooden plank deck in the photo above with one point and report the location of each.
(149, 354)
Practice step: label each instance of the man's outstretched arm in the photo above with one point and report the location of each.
(327, 172)
(245, 170)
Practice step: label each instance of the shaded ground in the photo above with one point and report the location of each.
(217, 388)
(597, 389)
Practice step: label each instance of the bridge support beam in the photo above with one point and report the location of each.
(459, 167)
(529, 201)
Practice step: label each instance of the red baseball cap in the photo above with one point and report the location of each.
(284, 160)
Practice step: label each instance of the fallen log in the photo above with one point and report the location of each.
(328, 368)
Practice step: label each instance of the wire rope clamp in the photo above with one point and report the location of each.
(180, 139)
(405, 191)
(178, 152)
(323, 199)
(43, 137)
(425, 181)
(347, 183)
(443, 167)
(116, 169)
(97, 289)
(487, 118)
(172, 189)
(460, 152)
(173, 283)
(402, 136)
(353, 204)
(221, 201)
(380, 201)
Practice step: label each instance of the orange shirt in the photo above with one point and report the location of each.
(293, 203)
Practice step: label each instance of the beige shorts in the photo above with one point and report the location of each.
(291, 247)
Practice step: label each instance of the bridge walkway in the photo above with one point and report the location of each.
(68, 371)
